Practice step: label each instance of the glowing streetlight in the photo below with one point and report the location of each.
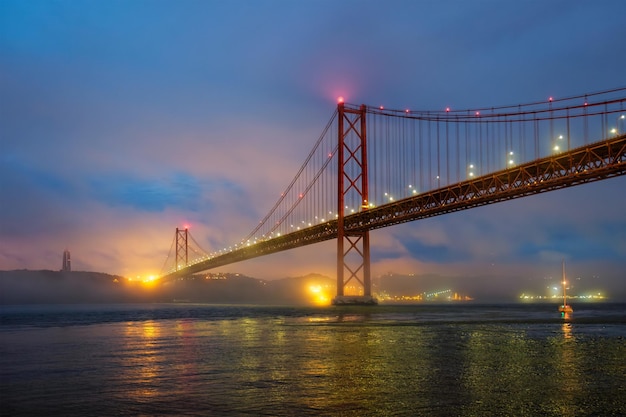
(557, 146)
(511, 161)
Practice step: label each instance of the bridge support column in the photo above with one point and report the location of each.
(353, 247)
(182, 256)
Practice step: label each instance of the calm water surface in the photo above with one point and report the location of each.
(206, 360)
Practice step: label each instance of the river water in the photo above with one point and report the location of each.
(207, 360)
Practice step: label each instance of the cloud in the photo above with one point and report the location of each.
(151, 195)
(121, 122)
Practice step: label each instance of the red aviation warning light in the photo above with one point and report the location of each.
(340, 100)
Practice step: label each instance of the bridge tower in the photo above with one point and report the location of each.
(353, 247)
(182, 257)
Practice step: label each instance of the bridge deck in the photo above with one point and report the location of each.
(589, 163)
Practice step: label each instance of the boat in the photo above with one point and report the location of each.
(565, 308)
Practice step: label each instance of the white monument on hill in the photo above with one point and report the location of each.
(67, 263)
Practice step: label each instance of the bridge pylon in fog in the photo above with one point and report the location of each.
(353, 247)
(182, 248)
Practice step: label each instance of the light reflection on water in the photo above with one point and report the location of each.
(278, 361)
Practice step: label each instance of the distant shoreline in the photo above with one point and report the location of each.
(24, 286)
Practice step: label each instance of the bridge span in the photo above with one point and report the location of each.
(595, 162)
(373, 168)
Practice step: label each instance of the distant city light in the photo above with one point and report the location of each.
(319, 294)
(598, 296)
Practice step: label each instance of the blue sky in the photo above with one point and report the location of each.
(121, 120)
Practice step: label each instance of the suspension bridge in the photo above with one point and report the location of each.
(374, 167)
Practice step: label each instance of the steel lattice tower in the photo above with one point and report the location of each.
(353, 247)
(182, 257)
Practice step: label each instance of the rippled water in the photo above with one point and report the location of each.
(430, 360)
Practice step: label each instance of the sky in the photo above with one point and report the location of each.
(122, 120)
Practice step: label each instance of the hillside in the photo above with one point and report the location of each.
(55, 287)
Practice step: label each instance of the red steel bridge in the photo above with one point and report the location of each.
(374, 167)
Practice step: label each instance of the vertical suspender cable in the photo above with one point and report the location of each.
(522, 134)
(447, 154)
(372, 155)
(421, 155)
(605, 123)
(480, 148)
(388, 163)
(468, 158)
(568, 131)
(585, 122)
(429, 157)
(413, 165)
(458, 149)
(536, 132)
(551, 117)
(405, 155)
(438, 155)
